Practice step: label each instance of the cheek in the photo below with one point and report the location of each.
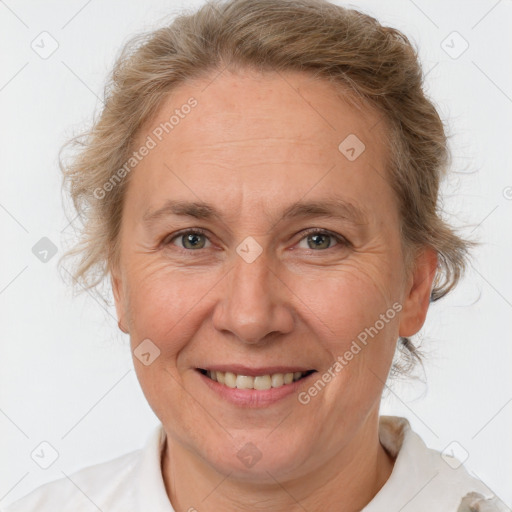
(165, 306)
(357, 325)
(164, 302)
(341, 303)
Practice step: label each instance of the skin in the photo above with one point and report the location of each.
(254, 145)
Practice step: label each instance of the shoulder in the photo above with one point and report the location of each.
(423, 478)
(89, 489)
(132, 482)
(475, 502)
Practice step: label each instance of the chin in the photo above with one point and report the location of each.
(258, 459)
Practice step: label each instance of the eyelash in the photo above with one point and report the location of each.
(342, 241)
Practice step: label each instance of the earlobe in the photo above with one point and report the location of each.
(417, 294)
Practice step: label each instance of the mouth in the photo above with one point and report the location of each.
(259, 380)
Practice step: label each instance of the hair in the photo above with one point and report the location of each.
(373, 64)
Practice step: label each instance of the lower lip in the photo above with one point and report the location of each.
(253, 397)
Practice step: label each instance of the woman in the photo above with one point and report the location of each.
(262, 191)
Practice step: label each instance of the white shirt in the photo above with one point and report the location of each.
(421, 481)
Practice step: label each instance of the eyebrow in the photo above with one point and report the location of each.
(332, 208)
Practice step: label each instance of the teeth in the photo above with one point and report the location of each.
(261, 382)
(244, 382)
(277, 380)
(229, 379)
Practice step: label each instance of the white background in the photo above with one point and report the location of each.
(66, 374)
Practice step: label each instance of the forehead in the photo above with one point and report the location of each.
(253, 135)
(281, 106)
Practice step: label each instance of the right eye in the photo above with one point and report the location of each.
(189, 240)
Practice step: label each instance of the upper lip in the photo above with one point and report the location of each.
(255, 371)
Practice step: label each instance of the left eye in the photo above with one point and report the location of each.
(315, 239)
(320, 240)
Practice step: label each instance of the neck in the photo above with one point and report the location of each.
(346, 482)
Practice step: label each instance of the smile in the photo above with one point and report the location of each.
(257, 382)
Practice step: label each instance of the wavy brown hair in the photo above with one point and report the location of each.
(374, 65)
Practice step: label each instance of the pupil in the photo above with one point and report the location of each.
(316, 238)
(192, 239)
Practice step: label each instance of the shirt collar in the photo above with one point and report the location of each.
(150, 493)
(422, 479)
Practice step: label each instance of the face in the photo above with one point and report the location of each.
(253, 246)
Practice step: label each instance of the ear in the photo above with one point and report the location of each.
(119, 298)
(417, 293)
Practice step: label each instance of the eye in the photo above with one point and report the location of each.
(189, 240)
(321, 239)
(195, 239)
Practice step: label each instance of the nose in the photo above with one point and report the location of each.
(254, 305)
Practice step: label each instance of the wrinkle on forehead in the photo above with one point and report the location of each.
(263, 138)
